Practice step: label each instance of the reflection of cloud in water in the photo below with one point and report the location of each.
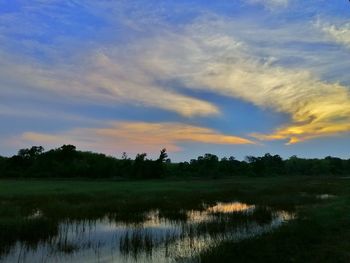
(285, 216)
(196, 216)
(156, 239)
(325, 196)
(230, 207)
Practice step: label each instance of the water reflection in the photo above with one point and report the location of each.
(161, 236)
(325, 196)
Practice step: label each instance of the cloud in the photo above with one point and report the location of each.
(133, 137)
(316, 108)
(29, 112)
(102, 81)
(339, 34)
(217, 62)
(271, 4)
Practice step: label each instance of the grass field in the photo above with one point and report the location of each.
(321, 232)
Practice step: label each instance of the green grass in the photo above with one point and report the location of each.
(321, 232)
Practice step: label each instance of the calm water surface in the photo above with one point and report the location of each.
(152, 236)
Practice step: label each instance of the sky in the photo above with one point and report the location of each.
(228, 77)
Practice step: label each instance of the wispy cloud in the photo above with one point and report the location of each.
(340, 34)
(30, 113)
(316, 108)
(271, 4)
(102, 80)
(133, 137)
(217, 62)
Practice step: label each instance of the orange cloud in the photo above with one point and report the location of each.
(134, 137)
(299, 133)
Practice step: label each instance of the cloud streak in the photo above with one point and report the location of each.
(102, 81)
(271, 4)
(134, 137)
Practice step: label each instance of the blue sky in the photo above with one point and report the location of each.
(237, 78)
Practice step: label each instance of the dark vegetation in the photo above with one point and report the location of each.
(67, 162)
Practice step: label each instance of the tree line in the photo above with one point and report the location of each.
(68, 162)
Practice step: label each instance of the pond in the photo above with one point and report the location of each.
(151, 236)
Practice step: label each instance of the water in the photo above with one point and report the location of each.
(325, 196)
(152, 236)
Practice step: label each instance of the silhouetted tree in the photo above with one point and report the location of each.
(163, 155)
(159, 167)
(31, 153)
